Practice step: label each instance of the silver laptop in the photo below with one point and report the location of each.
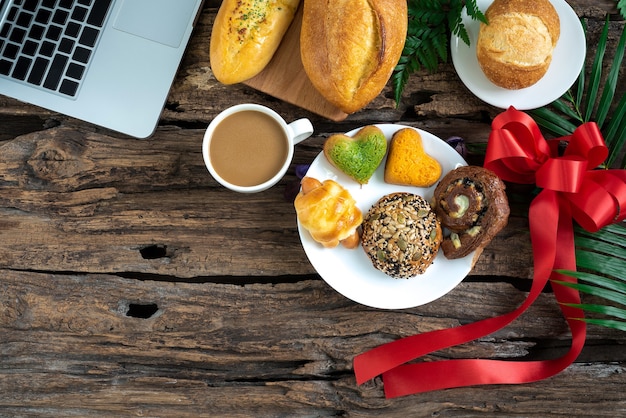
(108, 62)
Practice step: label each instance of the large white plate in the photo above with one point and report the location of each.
(567, 61)
(350, 272)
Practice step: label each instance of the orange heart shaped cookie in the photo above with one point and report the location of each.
(408, 164)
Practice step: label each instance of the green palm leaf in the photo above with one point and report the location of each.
(430, 25)
(561, 117)
(596, 289)
(601, 261)
(615, 134)
(614, 234)
(611, 81)
(611, 264)
(562, 106)
(550, 120)
(619, 325)
(596, 72)
(601, 309)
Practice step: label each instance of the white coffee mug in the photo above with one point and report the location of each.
(249, 147)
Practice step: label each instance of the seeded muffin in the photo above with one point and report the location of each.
(401, 235)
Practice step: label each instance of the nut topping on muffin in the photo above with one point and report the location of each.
(401, 235)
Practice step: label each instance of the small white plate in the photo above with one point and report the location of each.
(567, 61)
(350, 272)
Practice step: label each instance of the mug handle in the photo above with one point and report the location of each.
(300, 129)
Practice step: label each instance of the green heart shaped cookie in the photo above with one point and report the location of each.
(358, 156)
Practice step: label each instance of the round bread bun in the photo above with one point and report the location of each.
(401, 235)
(515, 49)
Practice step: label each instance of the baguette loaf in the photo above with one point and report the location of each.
(349, 48)
(515, 49)
(245, 36)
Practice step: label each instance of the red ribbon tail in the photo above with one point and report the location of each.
(427, 376)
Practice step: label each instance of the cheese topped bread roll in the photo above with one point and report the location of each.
(245, 36)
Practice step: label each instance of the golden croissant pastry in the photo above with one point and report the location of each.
(328, 212)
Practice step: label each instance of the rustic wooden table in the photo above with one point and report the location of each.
(132, 284)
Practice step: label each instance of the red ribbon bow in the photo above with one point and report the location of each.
(517, 152)
(572, 189)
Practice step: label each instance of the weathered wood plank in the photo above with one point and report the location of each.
(69, 347)
(139, 394)
(76, 200)
(232, 319)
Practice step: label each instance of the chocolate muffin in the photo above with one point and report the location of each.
(401, 235)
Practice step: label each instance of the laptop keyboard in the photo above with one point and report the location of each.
(49, 43)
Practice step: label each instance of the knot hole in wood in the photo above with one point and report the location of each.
(152, 252)
(141, 310)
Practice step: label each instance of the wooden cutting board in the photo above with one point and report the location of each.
(285, 78)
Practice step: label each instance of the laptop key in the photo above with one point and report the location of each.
(68, 87)
(98, 12)
(4, 32)
(81, 54)
(67, 4)
(57, 68)
(66, 45)
(43, 16)
(60, 17)
(39, 70)
(5, 67)
(47, 49)
(88, 37)
(54, 33)
(72, 29)
(49, 3)
(79, 14)
(12, 14)
(36, 32)
(11, 51)
(22, 65)
(24, 19)
(30, 5)
(75, 71)
(30, 48)
(17, 35)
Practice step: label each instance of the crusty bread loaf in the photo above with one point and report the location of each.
(515, 49)
(245, 36)
(349, 48)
